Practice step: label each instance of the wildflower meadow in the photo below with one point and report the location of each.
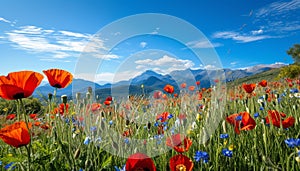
(258, 128)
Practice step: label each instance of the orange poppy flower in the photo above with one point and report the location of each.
(191, 88)
(276, 118)
(169, 89)
(96, 107)
(107, 102)
(17, 85)
(163, 116)
(183, 85)
(58, 78)
(139, 161)
(179, 143)
(249, 88)
(263, 83)
(181, 162)
(16, 135)
(241, 121)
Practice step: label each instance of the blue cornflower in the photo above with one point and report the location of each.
(279, 99)
(201, 155)
(170, 116)
(0, 163)
(256, 115)
(126, 140)
(298, 152)
(165, 123)
(120, 169)
(261, 108)
(238, 118)
(223, 136)
(81, 169)
(156, 124)
(8, 166)
(110, 122)
(227, 153)
(292, 142)
(93, 128)
(294, 90)
(87, 140)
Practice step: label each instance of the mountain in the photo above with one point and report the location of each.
(78, 85)
(154, 81)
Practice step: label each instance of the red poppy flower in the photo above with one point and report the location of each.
(169, 89)
(191, 88)
(157, 94)
(246, 122)
(175, 95)
(109, 98)
(33, 116)
(263, 83)
(139, 161)
(163, 116)
(179, 143)
(45, 126)
(16, 135)
(276, 118)
(37, 123)
(63, 109)
(249, 88)
(197, 83)
(10, 116)
(181, 163)
(107, 103)
(58, 78)
(183, 85)
(17, 85)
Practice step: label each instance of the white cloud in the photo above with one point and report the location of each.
(255, 32)
(203, 44)
(233, 63)
(58, 44)
(164, 64)
(106, 57)
(73, 34)
(143, 44)
(4, 20)
(210, 67)
(241, 38)
(109, 77)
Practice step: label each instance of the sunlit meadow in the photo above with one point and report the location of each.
(259, 128)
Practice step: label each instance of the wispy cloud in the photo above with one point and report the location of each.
(279, 17)
(4, 20)
(56, 43)
(165, 64)
(278, 8)
(143, 44)
(240, 37)
(203, 44)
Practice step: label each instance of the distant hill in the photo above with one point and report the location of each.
(152, 81)
(269, 75)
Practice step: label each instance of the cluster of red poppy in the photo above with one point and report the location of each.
(18, 85)
(178, 142)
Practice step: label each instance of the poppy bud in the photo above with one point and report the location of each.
(64, 99)
(50, 95)
(78, 96)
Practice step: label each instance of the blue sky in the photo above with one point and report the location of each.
(37, 35)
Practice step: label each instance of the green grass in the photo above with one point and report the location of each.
(62, 147)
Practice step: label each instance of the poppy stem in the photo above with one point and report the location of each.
(28, 157)
(27, 122)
